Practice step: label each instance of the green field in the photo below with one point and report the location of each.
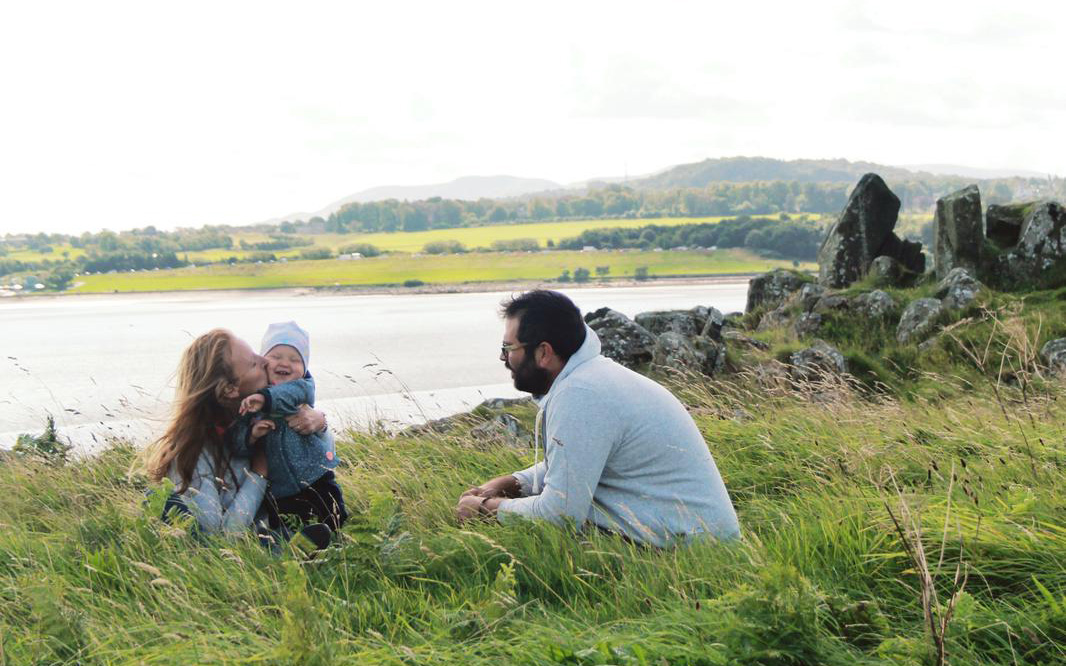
(435, 269)
(89, 575)
(472, 237)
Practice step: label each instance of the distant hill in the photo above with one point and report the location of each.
(466, 188)
(973, 172)
(748, 169)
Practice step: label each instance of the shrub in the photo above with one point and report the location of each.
(365, 249)
(316, 253)
(516, 245)
(581, 275)
(640, 273)
(413, 283)
(444, 247)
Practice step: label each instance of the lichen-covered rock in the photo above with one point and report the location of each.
(808, 324)
(958, 231)
(685, 322)
(873, 305)
(710, 353)
(855, 239)
(831, 303)
(778, 318)
(809, 294)
(621, 338)
(738, 338)
(890, 272)
(958, 289)
(771, 289)
(714, 323)
(918, 320)
(1053, 353)
(502, 429)
(1003, 223)
(816, 362)
(673, 350)
(1039, 258)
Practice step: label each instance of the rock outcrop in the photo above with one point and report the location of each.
(958, 231)
(1003, 223)
(1053, 353)
(771, 289)
(919, 319)
(958, 289)
(817, 361)
(622, 339)
(873, 305)
(1039, 257)
(862, 233)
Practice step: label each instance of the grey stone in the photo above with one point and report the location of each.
(831, 303)
(854, 240)
(1041, 248)
(715, 322)
(808, 324)
(809, 294)
(502, 429)
(1053, 353)
(689, 323)
(906, 252)
(887, 272)
(958, 231)
(771, 289)
(778, 318)
(710, 353)
(1003, 223)
(958, 289)
(816, 361)
(675, 351)
(622, 339)
(918, 320)
(739, 338)
(873, 305)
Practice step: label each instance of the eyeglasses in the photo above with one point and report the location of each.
(506, 348)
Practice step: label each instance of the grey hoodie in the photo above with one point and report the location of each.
(623, 453)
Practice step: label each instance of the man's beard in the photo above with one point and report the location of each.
(530, 378)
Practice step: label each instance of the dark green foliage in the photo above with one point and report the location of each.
(316, 253)
(365, 249)
(516, 245)
(46, 445)
(444, 247)
(787, 238)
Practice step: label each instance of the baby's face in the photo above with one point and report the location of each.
(284, 364)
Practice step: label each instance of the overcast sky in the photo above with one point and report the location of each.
(124, 114)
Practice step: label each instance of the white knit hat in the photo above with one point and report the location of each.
(288, 333)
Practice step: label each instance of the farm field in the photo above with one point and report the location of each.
(472, 237)
(435, 269)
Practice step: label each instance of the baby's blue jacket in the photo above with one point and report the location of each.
(294, 461)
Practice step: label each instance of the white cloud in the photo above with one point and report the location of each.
(122, 114)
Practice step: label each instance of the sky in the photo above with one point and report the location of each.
(126, 114)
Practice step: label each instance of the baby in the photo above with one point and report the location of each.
(300, 467)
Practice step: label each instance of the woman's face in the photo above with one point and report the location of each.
(248, 367)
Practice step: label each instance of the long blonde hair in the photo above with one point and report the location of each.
(204, 375)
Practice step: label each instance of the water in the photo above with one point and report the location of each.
(103, 366)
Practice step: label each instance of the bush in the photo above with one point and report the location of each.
(516, 245)
(365, 249)
(316, 253)
(565, 277)
(640, 273)
(581, 275)
(444, 247)
(413, 283)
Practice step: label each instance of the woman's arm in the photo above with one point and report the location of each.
(307, 420)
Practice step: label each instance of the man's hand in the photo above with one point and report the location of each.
(482, 491)
(306, 421)
(252, 403)
(469, 508)
(259, 428)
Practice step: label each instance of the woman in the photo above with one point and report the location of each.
(223, 493)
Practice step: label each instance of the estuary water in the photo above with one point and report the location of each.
(103, 366)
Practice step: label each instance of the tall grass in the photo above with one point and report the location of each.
(89, 575)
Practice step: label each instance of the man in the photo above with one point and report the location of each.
(620, 451)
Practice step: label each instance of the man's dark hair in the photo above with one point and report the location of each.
(547, 316)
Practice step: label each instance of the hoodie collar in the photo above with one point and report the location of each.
(588, 350)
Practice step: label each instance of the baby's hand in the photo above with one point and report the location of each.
(259, 428)
(252, 403)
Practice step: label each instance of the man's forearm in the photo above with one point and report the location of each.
(506, 486)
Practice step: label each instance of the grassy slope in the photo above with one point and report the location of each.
(974, 449)
(476, 267)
